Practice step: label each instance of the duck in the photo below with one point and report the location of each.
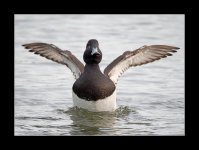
(93, 89)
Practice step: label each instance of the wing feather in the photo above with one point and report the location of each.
(54, 53)
(143, 55)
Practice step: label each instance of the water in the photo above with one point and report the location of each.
(150, 97)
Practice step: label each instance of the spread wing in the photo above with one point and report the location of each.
(143, 55)
(53, 53)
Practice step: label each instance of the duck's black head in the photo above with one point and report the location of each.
(92, 54)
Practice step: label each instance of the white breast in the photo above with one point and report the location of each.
(106, 104)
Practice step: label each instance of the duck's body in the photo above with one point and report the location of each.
(94, 90)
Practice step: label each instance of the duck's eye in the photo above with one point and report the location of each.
(88, 46)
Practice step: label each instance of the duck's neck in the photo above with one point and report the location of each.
(92, 68)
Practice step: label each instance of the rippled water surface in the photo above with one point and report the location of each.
(150, 97)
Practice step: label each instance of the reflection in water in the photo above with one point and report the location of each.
(94, 123)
